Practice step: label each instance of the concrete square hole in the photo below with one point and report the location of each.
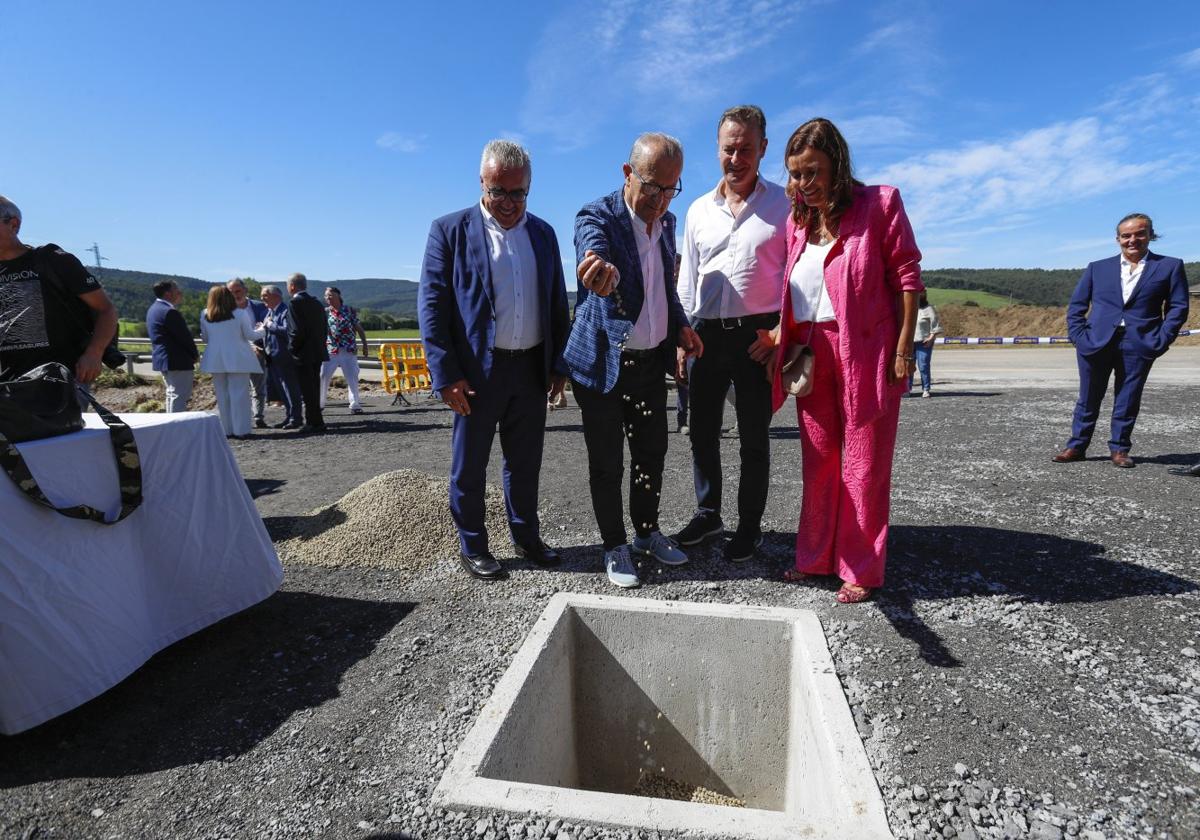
(742, 701)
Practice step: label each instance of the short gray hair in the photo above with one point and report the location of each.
(236, 281)
(8, 210)
(299, 281)
(271, 289)
(652, 144)
(1139, 217)
(506, 154)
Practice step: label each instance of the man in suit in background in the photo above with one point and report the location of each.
(172, 346)
(281, 369)
(306, 342)
(493, 311)
(628, 324)
(1138, 301)
(258, 381)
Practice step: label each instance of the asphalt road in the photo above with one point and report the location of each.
(1039, 630)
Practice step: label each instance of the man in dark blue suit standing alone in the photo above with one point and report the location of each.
(172, 346)
(493, 312)
(1138, 301)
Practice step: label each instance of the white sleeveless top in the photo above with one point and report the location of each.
(809, 294)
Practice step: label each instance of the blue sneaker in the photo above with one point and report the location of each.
(661, 548)
(620, 568)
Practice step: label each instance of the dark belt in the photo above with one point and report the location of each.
(640, 355)
(763, 319)
(504, 351)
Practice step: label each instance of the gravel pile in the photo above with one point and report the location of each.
(398, 521)
(657, 786)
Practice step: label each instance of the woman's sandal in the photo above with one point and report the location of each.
(794, 575)
(853, 594)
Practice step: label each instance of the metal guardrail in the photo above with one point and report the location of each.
(138, 356)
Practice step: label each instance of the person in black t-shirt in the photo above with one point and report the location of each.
(51, 308)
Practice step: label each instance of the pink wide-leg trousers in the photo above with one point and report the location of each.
(847, 474)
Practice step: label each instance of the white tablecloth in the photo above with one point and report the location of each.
(82, 605)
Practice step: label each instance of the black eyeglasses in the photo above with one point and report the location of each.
(653, 190)
(515, 196)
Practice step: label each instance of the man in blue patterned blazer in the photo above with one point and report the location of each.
(628, 323)
(493, 311)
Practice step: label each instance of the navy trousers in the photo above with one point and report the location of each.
(726, 361)
(1128, 366)
(513, 400)
(282, 375)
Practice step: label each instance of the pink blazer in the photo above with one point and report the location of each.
(874, 259)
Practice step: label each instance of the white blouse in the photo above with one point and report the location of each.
(808, 290)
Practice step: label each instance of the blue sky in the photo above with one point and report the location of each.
(258, 139)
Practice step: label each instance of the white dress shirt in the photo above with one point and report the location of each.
(732, 266)
(514, 283)
(809, 294)
(651, 326)
(1131, 273)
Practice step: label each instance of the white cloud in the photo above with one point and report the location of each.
(396, 141)
(1190, 59)
(1042, 167)
(659, 61)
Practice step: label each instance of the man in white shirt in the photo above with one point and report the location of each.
(730, 280)
(492, 305)
(1124, 314)
(628, 324)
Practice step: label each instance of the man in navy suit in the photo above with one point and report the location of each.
(281, 369)
(492, 306)
(1138, 301)
(306, 333)
(172, 346)
(628, 324)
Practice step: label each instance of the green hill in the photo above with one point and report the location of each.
(1034, 286)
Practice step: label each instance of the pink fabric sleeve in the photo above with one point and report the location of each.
(902, 258)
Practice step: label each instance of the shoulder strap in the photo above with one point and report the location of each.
(129, 470)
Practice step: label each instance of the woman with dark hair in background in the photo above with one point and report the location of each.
(854, 274)
(228, 355)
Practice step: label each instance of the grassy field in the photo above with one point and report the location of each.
(985, 300)
(372, 334)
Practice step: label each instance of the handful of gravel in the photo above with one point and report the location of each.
(662, 787)
(397, 520)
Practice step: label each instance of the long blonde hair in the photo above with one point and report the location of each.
(221, 304)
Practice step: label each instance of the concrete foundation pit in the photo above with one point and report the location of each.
(611, 695)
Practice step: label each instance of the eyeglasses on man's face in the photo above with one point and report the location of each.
(515, 196)
(653, 190)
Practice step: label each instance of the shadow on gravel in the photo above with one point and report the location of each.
(212, 696)
(306, 526)
(957, 561)
(1170, 460)
(264, 486)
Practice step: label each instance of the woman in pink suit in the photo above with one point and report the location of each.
(854, 277)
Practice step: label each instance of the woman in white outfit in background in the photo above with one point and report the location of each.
(227, 332)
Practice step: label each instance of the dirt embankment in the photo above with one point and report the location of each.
(1021, 320)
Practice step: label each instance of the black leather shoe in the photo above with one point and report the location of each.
(742, 546)
(538, 553)
(482, 566)
(260, 423)
(1193, 470)
(702, 526)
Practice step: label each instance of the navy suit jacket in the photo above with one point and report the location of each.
(1153, 316)
(172, 345)
(456, 299)
(307, 329)
(276, 337)
(603, 324)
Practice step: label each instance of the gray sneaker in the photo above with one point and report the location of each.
(620, 568)
(661, 548)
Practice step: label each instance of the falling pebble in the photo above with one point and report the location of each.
(97, 812)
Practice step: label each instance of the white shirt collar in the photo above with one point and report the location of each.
(759, 189)
(490, 220)
(1142, 261)
(639, 227)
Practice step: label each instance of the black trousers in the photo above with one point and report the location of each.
(309, 375)
(634, 410)
(726, 361)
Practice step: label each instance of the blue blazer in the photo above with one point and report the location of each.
(456, 300)
(276, 337)
(172, 345)
(603, 324)
(1153, 316)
